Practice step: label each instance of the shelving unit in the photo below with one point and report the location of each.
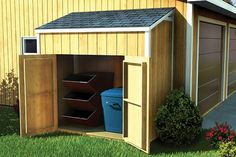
(83, 101)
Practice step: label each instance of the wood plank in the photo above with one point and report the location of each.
(42, 44)
(150, 4)
(57, 48)
(83, 44)
(98, 5)
(102, 44)
(143, 4)
(92, 5)
(65, 49)
(71, 4)
(65, 7)
(76, 6)
(172, 3)
(111, 44)
(123, 4)
(104, 5)
(86, 5)
(117, 4)
(136, 4)
(130, 4)
(164, 3)
(81, 5)
(141, 44)
(92, 44)
(74, 43)
(59, 8)
(110, 4)
(1, 51)
(122, 43)
(49, 44)
(157, 3)
(132, 44)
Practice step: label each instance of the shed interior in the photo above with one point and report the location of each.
(74, 118)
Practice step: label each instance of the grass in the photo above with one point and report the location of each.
(66, 145)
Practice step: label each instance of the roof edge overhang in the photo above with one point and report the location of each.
(219, 6)
(167, 17)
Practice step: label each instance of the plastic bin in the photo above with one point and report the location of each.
(112, 109)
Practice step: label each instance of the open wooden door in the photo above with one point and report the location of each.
(135, 113)
(38, 94)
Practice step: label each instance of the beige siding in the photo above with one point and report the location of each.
(125, 44)
(20, 18)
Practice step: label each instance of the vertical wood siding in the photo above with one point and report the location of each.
(129, 44)
(20, 18)
(161, 68)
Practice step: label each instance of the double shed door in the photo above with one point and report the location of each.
(39, 106)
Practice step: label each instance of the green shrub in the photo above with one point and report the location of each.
(227, 149)
(9, 89)
(178, 120)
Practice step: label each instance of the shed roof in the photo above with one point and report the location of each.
(109, 19)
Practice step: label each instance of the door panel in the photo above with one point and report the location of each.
(210, 65)
(38, 94)
(232, 62)
(135, 103)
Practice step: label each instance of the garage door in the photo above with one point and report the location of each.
(210, 65)
(232, 62)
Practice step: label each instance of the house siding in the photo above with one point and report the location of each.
(20, 18)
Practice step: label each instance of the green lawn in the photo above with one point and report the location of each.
(59, 144)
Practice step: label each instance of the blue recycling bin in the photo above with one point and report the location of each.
(112, 109)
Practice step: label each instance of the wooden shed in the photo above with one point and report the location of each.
(135, 45)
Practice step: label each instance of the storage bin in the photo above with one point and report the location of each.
(112, 109)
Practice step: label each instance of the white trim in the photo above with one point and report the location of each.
(224, 65)
(147, 52)
(166, 17)
(93, 30)
(23, 38)
(189, 50)
(38, 43)
(211, 21)
(218, 3)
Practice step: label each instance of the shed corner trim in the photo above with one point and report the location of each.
(167, 17)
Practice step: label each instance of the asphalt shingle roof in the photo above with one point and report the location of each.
(108, 19)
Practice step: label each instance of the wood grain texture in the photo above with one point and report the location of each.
(120, 44)
(38, 94)
(160, 70)
(136, 78)
(21, 17)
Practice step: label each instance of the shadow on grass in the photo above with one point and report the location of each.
(200, 145)
(54, 134)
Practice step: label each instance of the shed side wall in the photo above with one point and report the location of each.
(160, 69)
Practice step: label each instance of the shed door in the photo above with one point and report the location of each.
(210, 65)
(38, 94)
(135, 103)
